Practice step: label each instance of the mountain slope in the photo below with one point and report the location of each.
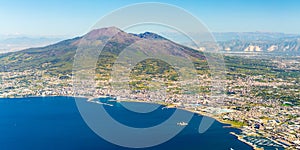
(56, 55)
(58, 58)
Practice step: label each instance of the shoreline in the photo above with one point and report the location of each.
(195, 112)
(90, 99)
(239, 137)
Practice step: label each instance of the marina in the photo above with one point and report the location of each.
(259, 142)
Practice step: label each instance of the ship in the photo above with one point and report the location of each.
(182, 123)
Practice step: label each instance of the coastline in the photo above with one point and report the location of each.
(195, 112)
(239, 137)
(91, 98)
(60, 103)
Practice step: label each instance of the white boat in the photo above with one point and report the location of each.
(182, 123)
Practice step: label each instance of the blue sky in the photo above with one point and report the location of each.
(76, 17)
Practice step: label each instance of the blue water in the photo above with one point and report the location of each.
(50, 123)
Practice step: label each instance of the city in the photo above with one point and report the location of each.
(274, 119)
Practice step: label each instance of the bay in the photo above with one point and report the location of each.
(55, 123)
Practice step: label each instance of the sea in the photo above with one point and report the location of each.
(48, 123)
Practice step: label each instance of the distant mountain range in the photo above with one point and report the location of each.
(252, 36)
(262, 42)
(259, 42)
